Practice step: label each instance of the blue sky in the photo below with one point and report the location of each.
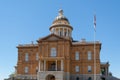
(23, 21)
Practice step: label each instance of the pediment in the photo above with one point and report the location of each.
(52, 37)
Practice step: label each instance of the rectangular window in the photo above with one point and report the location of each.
(89, 55)
(65, 33)
(36, 69)
(37, 56)
(89, 69)
(76, 55)
(77, 68)
(26, 57)
(53, 52)
(26, 70)
(60, 33)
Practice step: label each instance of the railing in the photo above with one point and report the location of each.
(104, 63)
(86, 42)
(54, 69)
(22, 45)
(19, 76)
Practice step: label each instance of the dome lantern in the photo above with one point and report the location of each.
(61, 26)
(60, 12)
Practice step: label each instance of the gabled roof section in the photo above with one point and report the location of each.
(52, 37)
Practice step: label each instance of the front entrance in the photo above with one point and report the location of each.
(102, 78)
(50, 77)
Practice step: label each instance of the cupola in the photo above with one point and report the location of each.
(61, 26)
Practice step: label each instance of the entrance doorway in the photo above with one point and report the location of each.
(103, 78)
(50, 77)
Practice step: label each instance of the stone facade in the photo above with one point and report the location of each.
(59, 57)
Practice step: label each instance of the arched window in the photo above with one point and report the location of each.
(26, 69)
(76, 55)
(53, 52)
(77, 78)
(26, 57)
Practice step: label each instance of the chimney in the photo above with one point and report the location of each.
(83, 40)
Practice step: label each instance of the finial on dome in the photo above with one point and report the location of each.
(60, 12)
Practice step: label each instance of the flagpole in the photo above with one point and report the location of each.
(94, 47)
(94, 56)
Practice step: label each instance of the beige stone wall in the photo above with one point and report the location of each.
(66, 50)
(31, 64)
(83, 62)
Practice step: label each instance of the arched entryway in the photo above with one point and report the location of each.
(89, 78)
(50, 77)
(77, 78)
(102, 78)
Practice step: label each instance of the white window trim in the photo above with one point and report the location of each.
(89, 55)
(77, 68)
(53, 52)
(37, 69)
(26, 69)
(37, 56)
(77, 55)
(89, 69)
(26, 57)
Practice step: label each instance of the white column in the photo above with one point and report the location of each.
(56, 65)
(61, 65)
(44, 65)
(39, 65)
(67, 33)
(63, 32)
(38, 76)
(108, 71)
(59, 31)
(55, 31)
(70, 33)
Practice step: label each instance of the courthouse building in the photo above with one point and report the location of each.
(58, 56)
